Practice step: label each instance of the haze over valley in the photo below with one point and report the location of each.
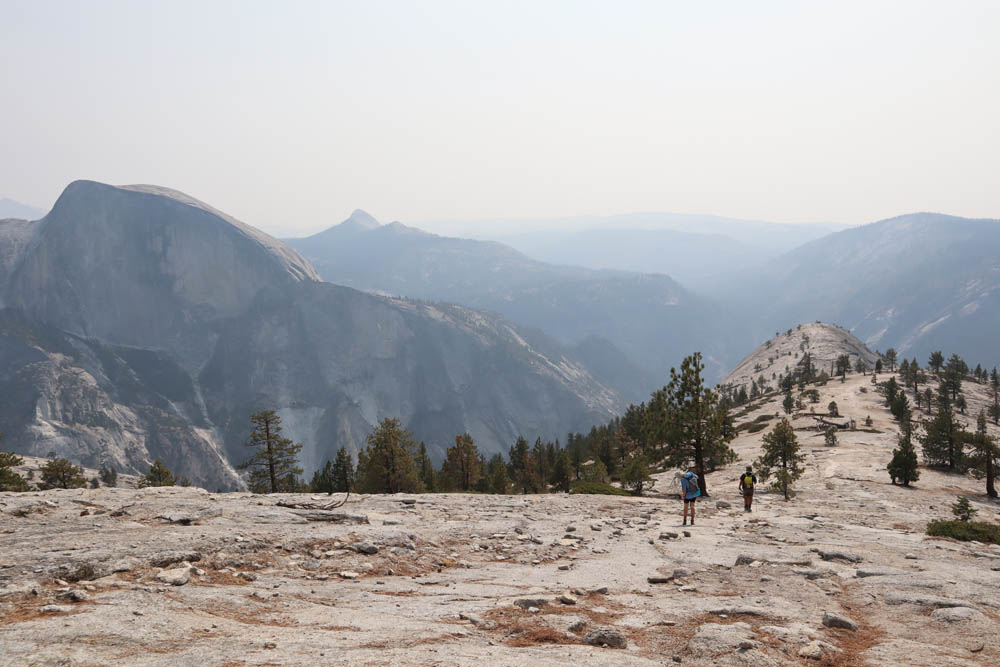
(549, 333)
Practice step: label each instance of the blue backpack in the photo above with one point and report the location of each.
(689, 483)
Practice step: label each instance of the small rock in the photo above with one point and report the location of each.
(564, 567)
(722, 505)
(76, 596)
(248, 576)
(658, 580)
(910, 556)
(527, 603)
(347, 574)
(766, 578)
(837, 554)
(475, 620)
(834, 620)
(570, 529)
(687, 533)
(533, 610)
(812, 651)
(366, 548)
(175, 577)
(603, 590)
(669, 535)
(138, 613)
(595, 527)
(566, 599)
(578, 626)
(605, 636)
(270, 645)
(56, 609)
(409, 501)
(681, 573)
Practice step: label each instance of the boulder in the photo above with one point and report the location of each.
(955, 614)
(835, 620)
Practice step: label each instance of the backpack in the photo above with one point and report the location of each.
(689, 483)
(748, 481)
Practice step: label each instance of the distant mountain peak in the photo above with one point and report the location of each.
(362, 219)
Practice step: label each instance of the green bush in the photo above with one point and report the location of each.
(965, 531)
(598, 488)
(755, 427)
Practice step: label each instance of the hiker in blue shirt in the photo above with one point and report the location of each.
(689, 493)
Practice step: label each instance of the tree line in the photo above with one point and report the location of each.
(685, 424)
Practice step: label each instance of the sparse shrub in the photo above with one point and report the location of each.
(108, 475)
(863, 390)
(10, 480)
(830, 437)
(832, 409)
(158, 475)
(598, 488)
(965, 531)
(95, 483)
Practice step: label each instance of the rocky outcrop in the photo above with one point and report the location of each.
(781, 354)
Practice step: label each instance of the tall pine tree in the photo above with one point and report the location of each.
(274, 463)
(780, 457)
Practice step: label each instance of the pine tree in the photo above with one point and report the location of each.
(322, 479)
(943, 439)
(936, 361)
(61, 474)
(499, 480)
(10, 480)
(425, 469)
(561, 472)
(522, 467)
(691, 420)
(109, 476)
(830, 437)
(984, 454)
(994, 411)
(890, 359)
(903, 466)
(833, 409)
(460, 470)
(954, 371)
(388, 461)
(158, 475)
(788, 404)
(273, 465)
(780, 456)
(963, 509)
(843, 365)
(636, 477)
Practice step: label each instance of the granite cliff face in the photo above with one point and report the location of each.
(140, 323)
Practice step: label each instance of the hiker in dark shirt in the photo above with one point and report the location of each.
(747, 481)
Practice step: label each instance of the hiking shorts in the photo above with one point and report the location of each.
(690, 500)
(748, 493)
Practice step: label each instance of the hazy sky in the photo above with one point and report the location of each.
(291, 114)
